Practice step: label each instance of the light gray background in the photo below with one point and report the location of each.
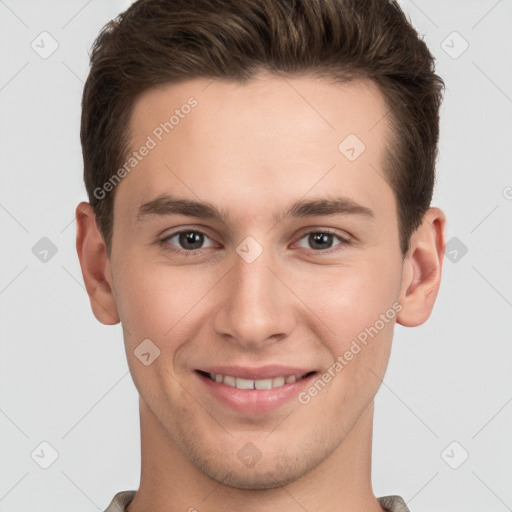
(64, 378)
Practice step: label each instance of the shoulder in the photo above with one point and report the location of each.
(120, 501)
(393, 504)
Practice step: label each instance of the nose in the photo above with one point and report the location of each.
(255, 307)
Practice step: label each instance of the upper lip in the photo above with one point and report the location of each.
(263, 372)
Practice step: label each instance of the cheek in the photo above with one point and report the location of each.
(153, 298)
(153, 302)
(352, 297)
(358, 302)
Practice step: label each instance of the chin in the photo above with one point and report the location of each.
(264, 478)
(276, 469)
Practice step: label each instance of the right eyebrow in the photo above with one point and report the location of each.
(170, 205)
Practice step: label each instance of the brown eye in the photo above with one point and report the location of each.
(322, 240)
(187, 241)
(190, 240)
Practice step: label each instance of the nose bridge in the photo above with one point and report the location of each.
(255, 306)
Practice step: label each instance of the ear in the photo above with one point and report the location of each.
(421, 272)
(95, 265)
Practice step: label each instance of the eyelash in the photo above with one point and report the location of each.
(182, 252)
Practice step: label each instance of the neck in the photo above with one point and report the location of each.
(171, 483)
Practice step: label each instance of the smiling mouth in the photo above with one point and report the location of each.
(250, 384)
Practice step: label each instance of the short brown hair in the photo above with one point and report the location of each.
(166, 41)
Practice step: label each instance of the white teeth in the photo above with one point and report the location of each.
(241, 383)
(263, 384)
(230, 381)
(277, 381)
(244, 383)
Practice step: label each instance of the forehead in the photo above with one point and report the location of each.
(265, 139)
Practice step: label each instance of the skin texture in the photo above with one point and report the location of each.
(252, 150)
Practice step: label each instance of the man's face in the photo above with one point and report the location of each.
(261, 286)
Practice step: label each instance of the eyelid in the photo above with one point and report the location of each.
(343, 235)
(180, 229)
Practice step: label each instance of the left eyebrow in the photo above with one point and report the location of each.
(170, 205)
(323, 206)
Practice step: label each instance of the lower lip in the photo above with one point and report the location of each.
(254, 401)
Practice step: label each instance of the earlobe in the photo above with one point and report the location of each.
(421, 275)
(95, 265)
